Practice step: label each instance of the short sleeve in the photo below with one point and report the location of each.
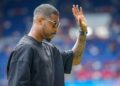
(67, 57)
(19, 66)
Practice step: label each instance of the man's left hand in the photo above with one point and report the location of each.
(79, 16)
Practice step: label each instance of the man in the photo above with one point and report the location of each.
(35, 62)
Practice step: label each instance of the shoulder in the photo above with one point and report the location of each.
(22, 52)
(21, 47)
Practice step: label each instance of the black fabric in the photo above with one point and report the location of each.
(67, 61)
(35, 63)
(19, 68)
(63, 64)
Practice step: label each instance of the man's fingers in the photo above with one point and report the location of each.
(77, 9)
(73, 6)
(81, 11)
(74, 10)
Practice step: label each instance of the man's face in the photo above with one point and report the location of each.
(50, 26)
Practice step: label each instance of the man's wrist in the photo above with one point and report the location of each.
(83, 33)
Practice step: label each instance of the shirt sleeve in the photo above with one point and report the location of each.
(19, 67)
(67, 57)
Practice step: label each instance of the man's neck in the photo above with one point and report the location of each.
(35, 36)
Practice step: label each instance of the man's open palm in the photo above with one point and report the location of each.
(79, 16)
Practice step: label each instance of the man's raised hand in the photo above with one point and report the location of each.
(79, 16)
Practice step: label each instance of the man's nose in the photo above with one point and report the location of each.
(55, 29)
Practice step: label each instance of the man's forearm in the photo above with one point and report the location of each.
(78, 48)
(80, 43)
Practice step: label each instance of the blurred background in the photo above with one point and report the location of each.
(100, 65)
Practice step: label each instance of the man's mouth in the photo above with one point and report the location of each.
(54, 33)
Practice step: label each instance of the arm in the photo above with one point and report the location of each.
(80, 43)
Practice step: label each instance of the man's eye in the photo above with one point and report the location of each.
(54, 25)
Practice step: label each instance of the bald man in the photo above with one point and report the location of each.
(35, 62)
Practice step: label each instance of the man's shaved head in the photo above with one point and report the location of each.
(45, 10)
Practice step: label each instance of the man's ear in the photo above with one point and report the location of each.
(38, 19)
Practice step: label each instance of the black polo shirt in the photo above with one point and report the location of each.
(34, 63)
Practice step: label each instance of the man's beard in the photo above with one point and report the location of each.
(48, 39)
